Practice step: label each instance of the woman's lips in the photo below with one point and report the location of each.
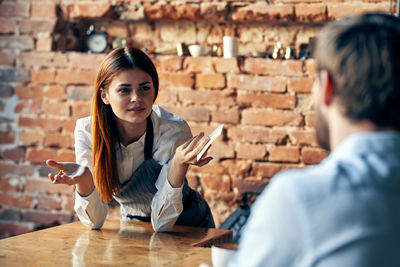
(136, 110)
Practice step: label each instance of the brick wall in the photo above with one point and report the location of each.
(46, 79)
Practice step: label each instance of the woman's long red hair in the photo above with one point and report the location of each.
(105, 135)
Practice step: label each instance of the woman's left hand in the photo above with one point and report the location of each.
(187, 152)
(186, 155)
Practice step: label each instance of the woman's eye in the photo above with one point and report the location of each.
(144, 88)
(124, 90)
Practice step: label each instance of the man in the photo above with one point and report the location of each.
(344, 211)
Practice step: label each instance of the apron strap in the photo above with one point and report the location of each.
(148, 142)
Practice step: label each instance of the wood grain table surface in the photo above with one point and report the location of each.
(118, 243)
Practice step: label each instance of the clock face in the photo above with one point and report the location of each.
(97, 42)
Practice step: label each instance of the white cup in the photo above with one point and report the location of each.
(221, 254)
(229, 47)
(196, 50)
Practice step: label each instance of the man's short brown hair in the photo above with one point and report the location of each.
(362, 56)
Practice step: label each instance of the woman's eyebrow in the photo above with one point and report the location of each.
(124, 85)
(143, 83)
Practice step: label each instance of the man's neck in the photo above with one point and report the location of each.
(341, 127)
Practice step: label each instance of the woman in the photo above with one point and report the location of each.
(133, 151)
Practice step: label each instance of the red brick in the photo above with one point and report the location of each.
(264, 12)
(68, 203)
(256, 134)
(199, 64)
(173, 80)
(46, 219)
(227, 115)
(220, 149)
(10, 184)
(69, 125)
(226, 65)
(45, 186)
(30, 138)
(40, 155)
(216, 183)
(196, 127)
(43, 76)
(284, 154)
(15, 169)
(7, 58)
(80, 109)
(30, 59)
(28, 106)
(8, 25)
(310, 12)
(85, 61)
(7, 137)
(210, 80)
(46, 124)
(336, 11)
(234, 167)
(174, 12)
(44, 43)
(89, 10)
(251, 185)
(169, 63)
(29, 26)
(29, 91)
(43, 59)
(56, 108)
(300, 85)
(13, 154)
(311, 67)
(21, 201)
(66, 155)
(54, 91)
(274, 67)
(213, 11)
(191, 113)
(256, 83)
(167, 96)
(48, 203)
(12, 9)
(310, 120)
(46, 9)
(266, 100)
(266, 169)
(8, 229)
(313, 155)
(270, 118)
(206, 97)
(76, 76)
(22, 42)
(303, 138)
(57, 140)
(251, 151)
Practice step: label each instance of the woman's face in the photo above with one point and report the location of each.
(130, 95)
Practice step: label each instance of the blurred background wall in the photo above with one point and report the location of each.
(46, 77)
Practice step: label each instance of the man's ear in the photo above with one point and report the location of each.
(104, 97)
(327, 87)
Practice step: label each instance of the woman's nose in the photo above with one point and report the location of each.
(134, 96)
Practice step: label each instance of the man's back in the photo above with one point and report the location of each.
(342, 212)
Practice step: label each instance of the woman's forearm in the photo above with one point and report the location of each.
(177, 173)
(86, 185)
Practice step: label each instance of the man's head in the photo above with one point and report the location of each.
(360, 56)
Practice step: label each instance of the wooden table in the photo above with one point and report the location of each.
(117, 243)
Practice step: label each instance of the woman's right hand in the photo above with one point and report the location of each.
(72, 173)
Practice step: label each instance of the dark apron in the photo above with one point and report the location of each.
(196, 211)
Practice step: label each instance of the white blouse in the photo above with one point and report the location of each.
(170, 131)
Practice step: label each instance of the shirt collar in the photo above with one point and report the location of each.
(369, 142)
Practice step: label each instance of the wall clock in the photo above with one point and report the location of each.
(96, 41)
